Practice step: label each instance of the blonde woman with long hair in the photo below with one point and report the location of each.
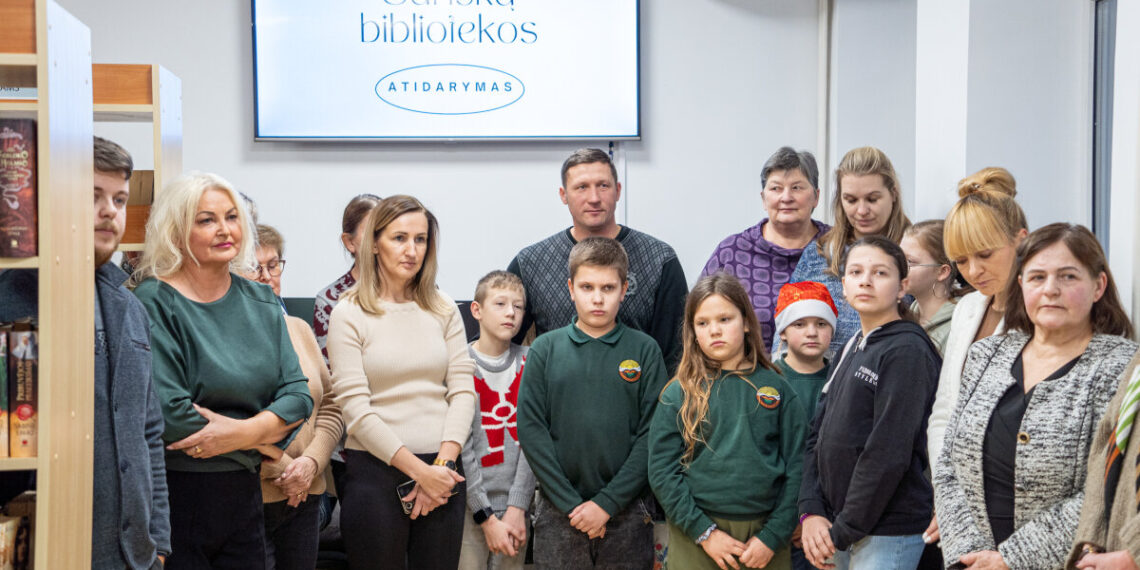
(726, 443)
(867, 201)
(224, 369)
(404, 382)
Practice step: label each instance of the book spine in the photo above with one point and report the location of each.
(3, 394)
(23, 360)
(17, 188)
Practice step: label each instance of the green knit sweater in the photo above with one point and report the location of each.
(750, 463)
(232, 356)
(584, 410)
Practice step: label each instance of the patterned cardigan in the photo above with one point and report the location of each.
(1049, 468)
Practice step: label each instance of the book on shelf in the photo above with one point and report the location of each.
(23, 507)
(3, 394)
(17, 188)
(9, 528)
(23, 361)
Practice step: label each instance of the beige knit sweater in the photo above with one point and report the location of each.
(1122, 531)
(318, 436)
(402, 379)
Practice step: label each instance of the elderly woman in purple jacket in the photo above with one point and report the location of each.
(764, 256)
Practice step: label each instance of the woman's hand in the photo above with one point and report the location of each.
(297, 479)
(723, 549)
(817, 541)
(221, 435)
(498, 537)
(422, 503)
(931, 535)
(1119, 560)
(438, 481)
(756, 553)
(984, 560)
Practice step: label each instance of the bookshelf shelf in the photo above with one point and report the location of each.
(17, 60)
(123, 113)
(133, 93)
(19, 262)
(19, 463)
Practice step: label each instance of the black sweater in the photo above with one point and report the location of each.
(866, 452)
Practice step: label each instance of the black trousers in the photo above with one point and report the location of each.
(291, 534)
(377, 534)
(216, 521)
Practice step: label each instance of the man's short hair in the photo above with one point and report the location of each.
(599, 252)
(588, 156)
(112, 158)
(498, 279)
(787, 158)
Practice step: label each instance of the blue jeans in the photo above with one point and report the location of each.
(882, 553)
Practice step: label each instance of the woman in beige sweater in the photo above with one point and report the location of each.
(405, 385)
(291, 487)
(1108, 535)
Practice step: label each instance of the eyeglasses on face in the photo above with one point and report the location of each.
(273, 268)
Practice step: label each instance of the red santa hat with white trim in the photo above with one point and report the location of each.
(804, 299)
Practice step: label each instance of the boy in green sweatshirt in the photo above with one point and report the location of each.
(587, 397)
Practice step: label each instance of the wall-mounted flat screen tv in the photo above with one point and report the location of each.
(446, 69)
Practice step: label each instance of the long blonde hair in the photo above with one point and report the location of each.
(172, 218)
(369, 288)
(697, 372)
(862, 161)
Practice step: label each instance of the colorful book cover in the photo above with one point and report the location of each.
(17, 188)
(23, 360)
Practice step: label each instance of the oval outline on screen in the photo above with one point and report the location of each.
(376, 88)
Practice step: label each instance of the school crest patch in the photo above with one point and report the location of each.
(768, 397)
(629, 370)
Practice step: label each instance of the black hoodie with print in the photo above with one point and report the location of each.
(866, 453)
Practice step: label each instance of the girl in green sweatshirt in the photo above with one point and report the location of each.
(726, 442)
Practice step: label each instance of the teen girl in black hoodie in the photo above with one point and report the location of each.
(865, 500)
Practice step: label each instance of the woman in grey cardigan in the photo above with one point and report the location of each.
(1009, 483)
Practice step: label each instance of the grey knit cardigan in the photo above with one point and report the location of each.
(1049, 468)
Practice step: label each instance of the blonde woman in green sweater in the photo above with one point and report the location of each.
(726, 443)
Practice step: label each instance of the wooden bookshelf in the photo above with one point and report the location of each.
(122, 93)
(43, 46)
(133, 93)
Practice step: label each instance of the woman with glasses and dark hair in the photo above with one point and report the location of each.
(292, 487)
(225, 372)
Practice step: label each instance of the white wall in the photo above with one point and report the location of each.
(724, 83)
(1030, 102)
(1124, 240)
(946, 87)
(873, 84)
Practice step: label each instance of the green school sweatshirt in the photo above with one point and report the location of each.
(807, 386)
(750, 464)
(584, 410)
(232, 356)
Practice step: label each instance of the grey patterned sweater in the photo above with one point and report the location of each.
(1050, 468)
(653, 304)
